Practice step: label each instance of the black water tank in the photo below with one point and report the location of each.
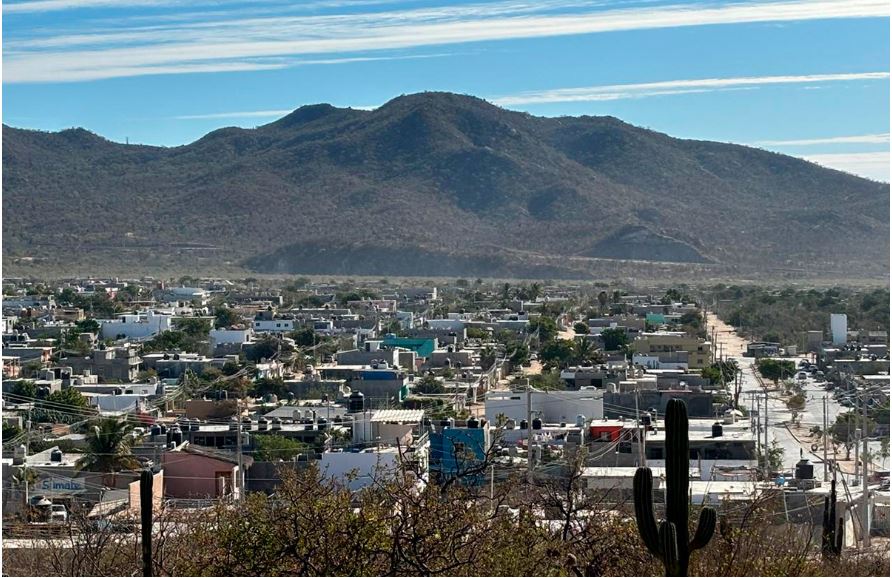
(163, 429)
(195, 425)
(716, 430)
(177, 436)
(56, 455)
(646, 419)
(473, 423)
(524, 424)
(155, 430)
(356, 402)
(322, 423)
(537, 423)
(805, 470)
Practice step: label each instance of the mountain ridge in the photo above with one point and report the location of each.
(453, 176)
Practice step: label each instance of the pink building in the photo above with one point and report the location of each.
(193, 472)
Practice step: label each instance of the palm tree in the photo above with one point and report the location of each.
(25, 477)
(583, 349)
(109, 446)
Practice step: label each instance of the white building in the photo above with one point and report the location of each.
(273, 325)
(358, 469)
(136, 327)
(228, 336)
(839, 327)
(653, 362)
(549, 406)
(446, 324)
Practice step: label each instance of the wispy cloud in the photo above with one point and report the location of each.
(239, 41)
(856, 139)
(873, 165)
(642, 90)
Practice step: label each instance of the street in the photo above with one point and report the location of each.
(779, 415)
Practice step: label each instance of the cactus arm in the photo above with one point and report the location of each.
(669, 545)
(705, 529)
(642, 486)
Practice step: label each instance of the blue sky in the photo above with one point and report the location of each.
(803, 77)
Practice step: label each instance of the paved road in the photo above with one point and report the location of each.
(779, 416)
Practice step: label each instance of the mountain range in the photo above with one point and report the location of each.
(436, 184)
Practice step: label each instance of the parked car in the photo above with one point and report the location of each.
(58, 514)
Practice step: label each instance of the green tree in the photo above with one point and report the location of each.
(87, 326)
(193, 327)
(556, 353)
(10, 430)
(273, 447)
(266, 385)
(845, 430)
(615, 339)
(109, 447)
(428, 385)
(226, 317)
(477, 333)
(776, 370)
(546, 326)
(548, 381)
(583, 351)
(305, 337)
(602, 301)
(69, 397)
(25, 388)
(580, 328)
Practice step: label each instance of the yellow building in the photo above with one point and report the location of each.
(666, 343)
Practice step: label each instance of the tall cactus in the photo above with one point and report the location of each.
(669, 542)
(833, 532)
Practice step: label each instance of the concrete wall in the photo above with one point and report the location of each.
(554, 405)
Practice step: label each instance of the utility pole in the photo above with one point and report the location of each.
(865, 454)
(825, 432)
(640, 433)
(767, 461)
(238, 451)
(529, 432)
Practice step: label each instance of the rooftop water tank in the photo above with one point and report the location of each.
(537, 423)
(356, 402)
(56, 455)
(805, 470)
(473, 423)
(716, 430)
(524, 424)
(580, 420)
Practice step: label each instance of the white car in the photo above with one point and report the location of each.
(58, 513)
